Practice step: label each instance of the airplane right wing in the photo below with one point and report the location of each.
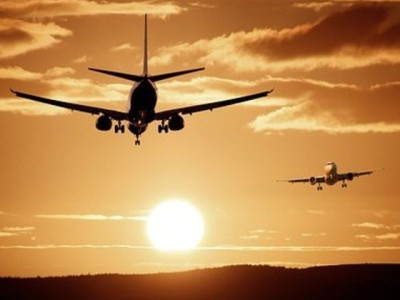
(313, 180)
(163, 115)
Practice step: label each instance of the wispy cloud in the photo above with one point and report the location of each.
(9, 231)
(308, 234)
(315, 212)
(19, 228)
(306, 116)
(82, 59)
(317, 6)
(65, 246)
(123, 47)
(298, 248)
(370, 225)
(67, 8)
(388, 236)
(213, 248)
(92, 217)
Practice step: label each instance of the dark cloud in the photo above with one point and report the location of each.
(13, 35)
(359, 28)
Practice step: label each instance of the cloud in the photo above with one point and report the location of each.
(81, 59)
(214, 248)
(68, 8)
(388, 236)
(7, 234)
(123, 47)
(298, 248)
(92, 217)
(18, 37)
(18, 73)
(355, 37)
(317, 6)
(19, 228)
(307, 116)
(86, 246)
(9, 231)
(62, 87)
(59, 72)
(370, 225)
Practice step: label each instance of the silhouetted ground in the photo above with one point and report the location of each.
(369, 281)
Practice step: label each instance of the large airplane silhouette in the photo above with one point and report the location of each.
(142, 102)
(331, 177)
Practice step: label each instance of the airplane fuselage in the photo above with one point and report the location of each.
(330, 170)
(141, 105)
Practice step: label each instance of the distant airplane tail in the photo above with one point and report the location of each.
(145, 75)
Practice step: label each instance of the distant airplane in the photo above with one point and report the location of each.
(331, 177)
(142, 102)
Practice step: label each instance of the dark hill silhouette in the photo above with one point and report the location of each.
(367, 281)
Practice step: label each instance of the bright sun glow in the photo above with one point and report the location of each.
(175, 226)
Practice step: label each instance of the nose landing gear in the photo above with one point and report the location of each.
(137, 141)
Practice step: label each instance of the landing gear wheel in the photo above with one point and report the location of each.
(162, 128)
(118, 127)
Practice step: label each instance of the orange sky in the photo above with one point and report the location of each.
(74, 200)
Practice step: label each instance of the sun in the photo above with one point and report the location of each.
(175, 225)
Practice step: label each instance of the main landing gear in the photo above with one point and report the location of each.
(319, 187)
(162, 127)
(344, 184)
(119, 127)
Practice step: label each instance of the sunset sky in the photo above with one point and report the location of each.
(74, 200)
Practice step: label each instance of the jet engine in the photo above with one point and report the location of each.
(176, 123)
(103, 123)
(313, 180)
(349, 176)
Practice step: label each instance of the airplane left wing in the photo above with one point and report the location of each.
(163, 115)
(114, 114)
(351, 175)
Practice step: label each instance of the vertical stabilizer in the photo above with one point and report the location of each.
(145, 58)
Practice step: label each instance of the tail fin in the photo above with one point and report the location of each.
(145, 74)
(145, 56)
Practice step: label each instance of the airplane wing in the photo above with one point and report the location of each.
(163, 115)
(114, 114)
(318, 179)
(351, 175)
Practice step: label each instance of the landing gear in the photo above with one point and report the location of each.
(319, 187)
(344, 184)
(162, 127)
(137, 142)
(119, 127)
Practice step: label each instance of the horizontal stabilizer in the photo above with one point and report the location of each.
(173, 74)
(130, 77)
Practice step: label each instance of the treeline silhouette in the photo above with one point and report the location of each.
(366, 281)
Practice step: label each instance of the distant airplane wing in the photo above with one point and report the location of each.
(352, 175)
(114, 114)
(319, 179)
(163, 115)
